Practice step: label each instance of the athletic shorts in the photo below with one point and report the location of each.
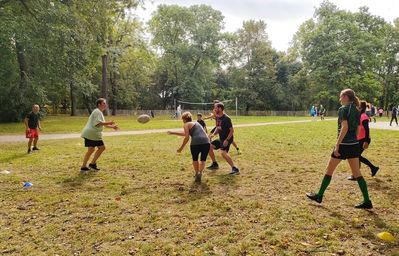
(218, 144)
(347, 151)
(197, 149)
(93, 143)
(32, 133)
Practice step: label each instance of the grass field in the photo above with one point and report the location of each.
(262, 211)
(68, 124)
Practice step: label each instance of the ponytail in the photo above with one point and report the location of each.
(356, 101)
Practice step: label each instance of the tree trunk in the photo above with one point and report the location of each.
(104, 82)
(87, 105)
(73, 99)
(114, 89)
(23, 70)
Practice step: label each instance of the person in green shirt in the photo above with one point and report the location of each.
(347, 147)
(92, 134)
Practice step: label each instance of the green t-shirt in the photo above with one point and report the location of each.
(92, 131)
(352, 115)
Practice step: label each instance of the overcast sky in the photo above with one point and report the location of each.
(283, 17)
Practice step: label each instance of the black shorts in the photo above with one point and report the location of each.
(93, 143)
(347, 151)
(218, 144)
(197, 149)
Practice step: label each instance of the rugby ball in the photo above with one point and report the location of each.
(143, 119)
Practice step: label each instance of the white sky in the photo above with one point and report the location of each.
(283, 17)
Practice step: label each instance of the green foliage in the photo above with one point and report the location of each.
(65, 54)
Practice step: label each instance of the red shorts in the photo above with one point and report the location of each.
(32, 133)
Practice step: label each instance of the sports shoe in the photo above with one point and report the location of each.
(198, 177)
(238, 151)
(29, 151)
(84, 169)
(365, 205)
(314, 197)
(35, 148)
(213, 166)
(351, 178)
(234, 171)
(94, 167)
(374, 171)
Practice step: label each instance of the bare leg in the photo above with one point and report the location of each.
(212, 153)
(98, 153)
(30, 143)
(227, 157)
(201, 166)
(90, 151)
(354, 165)
(332, 165)
(196, 166)
(35, 142)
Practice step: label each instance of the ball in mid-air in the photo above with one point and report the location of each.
(143, 119)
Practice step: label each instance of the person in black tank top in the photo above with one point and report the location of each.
(347, 147)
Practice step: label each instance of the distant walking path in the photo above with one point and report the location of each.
(19, 138)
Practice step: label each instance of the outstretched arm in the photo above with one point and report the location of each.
(186, 138)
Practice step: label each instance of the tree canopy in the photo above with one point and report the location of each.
(65, 54)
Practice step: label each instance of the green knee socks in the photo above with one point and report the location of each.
(324, 184)
(363, 187)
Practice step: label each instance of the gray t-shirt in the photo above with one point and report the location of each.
(198, 135)
(92, 131)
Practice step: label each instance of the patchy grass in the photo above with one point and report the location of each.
(262, 211)
(68, 124)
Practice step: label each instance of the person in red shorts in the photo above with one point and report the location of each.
(32, 127)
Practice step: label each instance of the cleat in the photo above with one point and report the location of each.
(314, 197)
(365, 205)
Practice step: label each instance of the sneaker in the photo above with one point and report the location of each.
(234, 171)
(351, 177)
(35, 148)
(94, 167)
(314, 197)
(365, 205)
(198, 177)
(213, 166)
(84, 169)
(374, 171)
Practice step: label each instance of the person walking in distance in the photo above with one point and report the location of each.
(394, 115)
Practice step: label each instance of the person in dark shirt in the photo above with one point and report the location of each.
(347, 147)
(224, 128)
(373, 113)
(201, 122)
(394, 115)
(32, 124)
(364, 139)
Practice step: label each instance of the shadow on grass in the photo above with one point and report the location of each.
(13, 157)
(79, 179)
(385, 187)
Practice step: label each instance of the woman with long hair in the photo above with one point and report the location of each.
(364, 139)
(346, 148)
